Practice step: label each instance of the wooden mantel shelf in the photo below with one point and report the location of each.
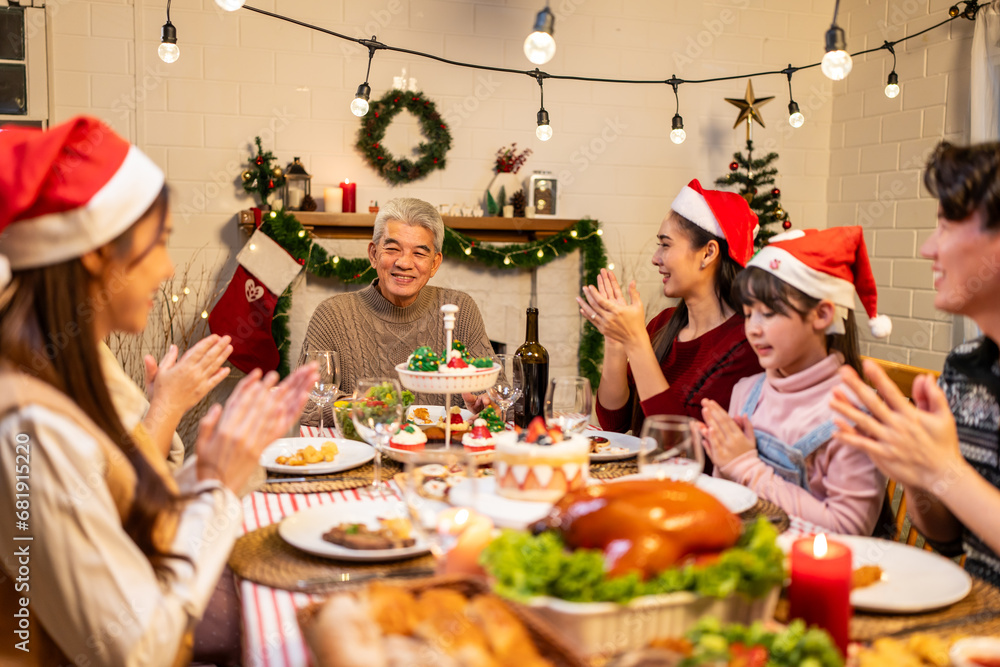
(359, 226)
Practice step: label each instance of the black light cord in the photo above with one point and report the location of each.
(971, 8)
(168, 11)
(836, 8)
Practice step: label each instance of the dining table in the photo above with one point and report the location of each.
(272, 637)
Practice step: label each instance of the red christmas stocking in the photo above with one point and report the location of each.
(246, 309)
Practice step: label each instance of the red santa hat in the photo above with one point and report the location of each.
(67, 191)
(724, 214)
(826, 264)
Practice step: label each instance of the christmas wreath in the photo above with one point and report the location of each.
(378, 118)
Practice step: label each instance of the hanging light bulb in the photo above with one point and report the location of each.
(892, 86)
(168, 51)
(678, 135)
(359, 106)
(540, 46)
(230, 5)
(837, 61)
(544, 130)
(795, 117)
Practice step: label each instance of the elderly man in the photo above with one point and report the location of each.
(378, 327)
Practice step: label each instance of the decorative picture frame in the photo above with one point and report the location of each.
(543, 194)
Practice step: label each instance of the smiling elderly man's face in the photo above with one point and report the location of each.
(404, 260)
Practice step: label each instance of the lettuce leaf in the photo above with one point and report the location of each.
(524, 565)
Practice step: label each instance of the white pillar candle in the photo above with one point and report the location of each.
(333, 200)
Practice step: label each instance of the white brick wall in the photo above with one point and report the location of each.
(895, 138)
(857, 157)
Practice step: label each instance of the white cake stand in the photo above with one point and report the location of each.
(464, 380)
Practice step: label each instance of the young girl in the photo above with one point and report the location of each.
(798, 300)
(123, 557)
(690, 352)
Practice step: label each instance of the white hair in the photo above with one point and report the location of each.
(410, 211)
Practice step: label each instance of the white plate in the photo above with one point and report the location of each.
(401, 455)
(304, 530)
(912, 579)
(435, 412)
(351, 455)
(510, 513)
(629, 442)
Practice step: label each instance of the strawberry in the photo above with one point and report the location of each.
(536, 429)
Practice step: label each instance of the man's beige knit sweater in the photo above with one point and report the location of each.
(372, 335)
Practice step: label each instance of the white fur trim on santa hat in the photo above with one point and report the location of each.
(57, 237)
(690, 204)
(796, 273)
(881, 326)
(268, 262)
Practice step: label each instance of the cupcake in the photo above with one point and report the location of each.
(479, 439)
(539, 464)
(409, 438)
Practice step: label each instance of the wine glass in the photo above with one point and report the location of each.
(508, 387)
(568, 402)
(377, 414)
(440, 495)
(669, 449)
(328, 367)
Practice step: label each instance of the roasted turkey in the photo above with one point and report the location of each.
(643, 526)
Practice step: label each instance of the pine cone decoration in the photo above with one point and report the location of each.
(518, 202)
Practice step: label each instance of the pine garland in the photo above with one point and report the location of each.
(584, 236)
(377, 120)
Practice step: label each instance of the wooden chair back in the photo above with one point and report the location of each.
(895, 497)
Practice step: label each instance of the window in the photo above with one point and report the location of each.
(23, 67)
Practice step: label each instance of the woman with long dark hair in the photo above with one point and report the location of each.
(123, 556)
(689, 352)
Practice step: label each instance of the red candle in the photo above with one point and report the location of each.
(820, 591)
(350, 195)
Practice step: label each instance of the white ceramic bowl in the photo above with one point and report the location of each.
(607, 628)
(433, 382)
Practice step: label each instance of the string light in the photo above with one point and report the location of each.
(302, 233)
(837, 61)
(795, 117)
(611, 266)
(359, 106)
(677, 133)
(253, 247)
(175, 298)
(204, 314)
(540, 46)
(187, 290)
(892, 84)
(544, 129)
(836, 64)
(541, 252)
(572, 233)
(168, 51)
(506, 259)
(468, 250)
(336, 259)
(600, 232)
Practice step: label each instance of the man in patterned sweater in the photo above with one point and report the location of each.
(945, 449)
(375, 328)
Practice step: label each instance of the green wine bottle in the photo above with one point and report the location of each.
(535, 364)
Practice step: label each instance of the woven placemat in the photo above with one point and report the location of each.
(771, 512)
(263, 557)
(977, 613)
(614, 469)
(349, 479)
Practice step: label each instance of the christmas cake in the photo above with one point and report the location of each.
(539, 464)
(479, 439)
(409, 438)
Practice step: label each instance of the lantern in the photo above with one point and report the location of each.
(297, 188)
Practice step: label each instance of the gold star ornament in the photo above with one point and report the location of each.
(749, 108)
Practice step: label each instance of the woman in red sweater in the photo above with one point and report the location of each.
(693, 351)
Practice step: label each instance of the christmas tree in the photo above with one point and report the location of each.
(755, 178)
(260, 176)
